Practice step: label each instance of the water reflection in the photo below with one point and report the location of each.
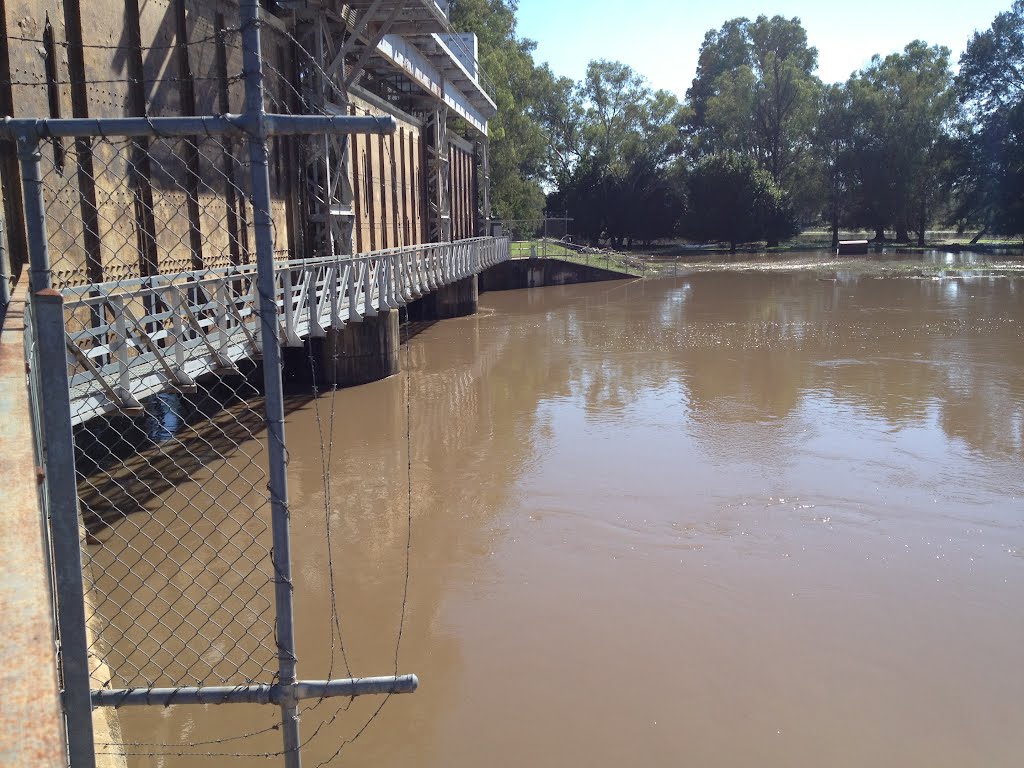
(725, 519)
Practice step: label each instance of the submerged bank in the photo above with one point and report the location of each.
(930, 263)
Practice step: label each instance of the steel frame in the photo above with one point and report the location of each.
(206, 320)
(48, 371)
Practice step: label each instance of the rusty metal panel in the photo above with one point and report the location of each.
(40, 86)
(387, 205)
(462, 210)
(162, 92)
(106, 46)
(382, 191)
(201, 28)
(158, 33)
(25, 21)
(215, 59)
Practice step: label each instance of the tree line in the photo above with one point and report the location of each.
(760, 148)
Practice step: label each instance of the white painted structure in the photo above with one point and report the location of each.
(160, 334)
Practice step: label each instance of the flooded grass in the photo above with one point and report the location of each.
(629, 264)
(930, 264)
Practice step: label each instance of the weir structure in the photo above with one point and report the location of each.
(175, 235)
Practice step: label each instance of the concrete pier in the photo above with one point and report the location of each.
(362, 352)
(459, 299)
(534, 273)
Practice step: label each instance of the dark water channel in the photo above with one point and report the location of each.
(725, 519)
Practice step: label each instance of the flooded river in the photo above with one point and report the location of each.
(722, 519)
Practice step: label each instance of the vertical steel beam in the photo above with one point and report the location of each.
(51, 377)
(438, 158)
(273, 394)
(29, 155)
(329, 171)
(238, 237)
(141, 176)
(187, 93)
(83, 146)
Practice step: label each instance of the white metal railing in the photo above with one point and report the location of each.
(140, 337)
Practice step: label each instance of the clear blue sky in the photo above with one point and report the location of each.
(660, 38)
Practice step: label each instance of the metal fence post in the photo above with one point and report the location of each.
(273, 393)
(29, 155)
(61, 492)
(5, 270)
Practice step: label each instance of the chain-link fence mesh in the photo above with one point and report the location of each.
(548, 228)
(171, 471)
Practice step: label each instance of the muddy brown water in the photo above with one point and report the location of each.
(725, 519)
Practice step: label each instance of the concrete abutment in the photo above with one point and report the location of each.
(367, 351)
(459, 299)
(516, 274)
(362, 352)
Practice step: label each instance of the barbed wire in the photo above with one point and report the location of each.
(119, 81)
(209, 742)
(131, 46)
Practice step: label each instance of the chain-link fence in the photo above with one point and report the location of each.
(155, 246)
(557, 228)
(171, 480)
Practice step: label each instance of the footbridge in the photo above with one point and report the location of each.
(128, 340)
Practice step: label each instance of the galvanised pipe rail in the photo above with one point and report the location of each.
(255, 694)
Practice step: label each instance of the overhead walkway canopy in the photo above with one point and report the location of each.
(410, 44)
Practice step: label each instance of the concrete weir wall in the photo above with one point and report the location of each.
(534, 273)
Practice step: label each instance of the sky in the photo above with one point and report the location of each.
(661, 38)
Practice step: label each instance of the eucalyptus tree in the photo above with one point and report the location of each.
(785, 95)
(616, 163)
(732, 199)
(832, 140)
(989, 177)
(725, 53)
(756, 93)
(518, 146)
(903, 105)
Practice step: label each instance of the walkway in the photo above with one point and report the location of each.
(132, 339)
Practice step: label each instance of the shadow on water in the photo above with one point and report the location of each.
(126, 464)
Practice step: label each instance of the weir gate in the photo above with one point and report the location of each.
(200, 186)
